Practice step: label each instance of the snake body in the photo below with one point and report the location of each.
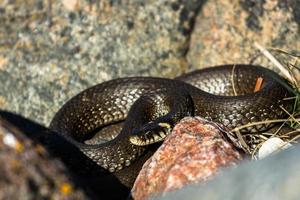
(127, 114)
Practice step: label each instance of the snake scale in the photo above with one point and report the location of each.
(114, 122)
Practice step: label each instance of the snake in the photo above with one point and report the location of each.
(115, 122)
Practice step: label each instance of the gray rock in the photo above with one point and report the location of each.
(276, 177)
(51, 50)
(46, 165)
(225, 32)
(29, 172)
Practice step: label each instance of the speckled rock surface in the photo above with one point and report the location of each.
(96, 182)
(225, 31)
(51, 50)
(276, 177)
(194, 152)
(27, 171)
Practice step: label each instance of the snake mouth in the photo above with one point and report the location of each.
(155, 133)
(147, 139)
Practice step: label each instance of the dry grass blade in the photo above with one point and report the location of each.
(245, 146)
(294, 138)
(255, 141)
(263, 122)
(294, 66)
(289, 130)
(285, 52)
(232, 80)
(291, 116)
(286, 72)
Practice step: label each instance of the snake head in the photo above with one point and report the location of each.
(150, 133)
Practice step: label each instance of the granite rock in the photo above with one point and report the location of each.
(276, 177)
(225, 32)
(28, 172)
(195, 151)
(51, 50)
(95, 181)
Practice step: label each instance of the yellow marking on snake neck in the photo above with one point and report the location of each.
(164, 125)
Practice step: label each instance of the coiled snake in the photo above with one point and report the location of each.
(145, 109)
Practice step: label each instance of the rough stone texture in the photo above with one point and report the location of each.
(194, 152)
(95, 181)
(225, 32)
(27, 171)
(276, 177)
(51, 50)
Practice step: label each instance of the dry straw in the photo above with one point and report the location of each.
(252, 142)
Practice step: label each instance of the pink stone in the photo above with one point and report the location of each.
(195, 151)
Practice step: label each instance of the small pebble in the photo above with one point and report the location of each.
(271, 146)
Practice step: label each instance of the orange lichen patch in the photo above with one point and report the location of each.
(40, 149)
(19, 147)
(66, 188)
(3, 62)
(2, 99)
(258, 84)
